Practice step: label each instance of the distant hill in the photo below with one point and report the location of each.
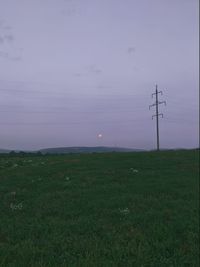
(98, 149)
(81, 149)
(4, 150)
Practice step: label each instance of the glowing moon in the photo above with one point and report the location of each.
(100, 135)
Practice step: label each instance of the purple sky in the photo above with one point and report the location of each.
(71, 69)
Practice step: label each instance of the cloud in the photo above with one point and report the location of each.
(68, 12)
(16, 58)
(3, 26)
(94, 69)
(131, 50)
(7, 28)
(5, 55)
(1, 23)
(77, 74)
(6, 39)
(91, 69)
(71, 8)
(1, 40)
(9, 38)
(136, 68)
(6, 36)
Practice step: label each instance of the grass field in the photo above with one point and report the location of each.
(114, 209)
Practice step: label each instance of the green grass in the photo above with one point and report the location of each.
(95, 210)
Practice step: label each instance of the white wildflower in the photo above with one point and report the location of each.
(18, 206)
(134, 170)
(124, 211)
(67, 178)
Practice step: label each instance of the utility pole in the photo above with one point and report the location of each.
(157, 103)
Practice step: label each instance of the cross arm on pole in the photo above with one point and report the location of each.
(160, 92)
(157, 115)
(152, 105)
(162, 102)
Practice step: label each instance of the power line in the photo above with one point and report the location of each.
(157, 115)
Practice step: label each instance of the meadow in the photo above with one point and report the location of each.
(105, 209)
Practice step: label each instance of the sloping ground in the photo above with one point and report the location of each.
(113, 209)
(4, 150)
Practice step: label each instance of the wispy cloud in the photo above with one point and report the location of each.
(5, 55)
(68, 12)
(16, 58)
(94, 69)
(77, 74)
(4, 26)
(91, 69)
(131, 50)
(1, 40)
(9, 37)
(70, 8)
(6, 41)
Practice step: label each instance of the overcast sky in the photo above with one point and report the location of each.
(73, 69)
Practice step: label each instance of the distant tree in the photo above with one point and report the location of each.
(39, 153)
(22, 153)
(12, 153)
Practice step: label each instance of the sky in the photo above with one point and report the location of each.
(82, 73)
